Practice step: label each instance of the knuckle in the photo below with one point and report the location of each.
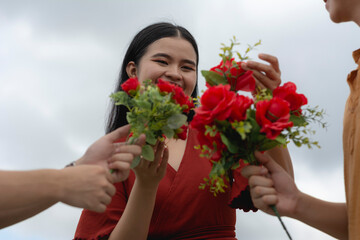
(252, 181)
(257, 190)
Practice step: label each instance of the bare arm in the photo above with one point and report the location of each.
(271, 185)
(328, 217)
(135, 221)
(26, 193)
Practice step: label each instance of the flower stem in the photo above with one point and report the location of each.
(273, 207)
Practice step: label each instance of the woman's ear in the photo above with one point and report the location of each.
(131, 69)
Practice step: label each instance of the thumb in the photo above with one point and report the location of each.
(268, 162)
(121, 132)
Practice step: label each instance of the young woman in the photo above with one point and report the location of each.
(161, 200)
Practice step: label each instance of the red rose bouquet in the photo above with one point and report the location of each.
(231, 126)
(157, 110)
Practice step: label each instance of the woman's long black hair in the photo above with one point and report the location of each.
(136, 50)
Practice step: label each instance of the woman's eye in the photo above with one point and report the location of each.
(160, 61)
(188, 68)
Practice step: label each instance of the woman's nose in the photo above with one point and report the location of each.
(173, 73)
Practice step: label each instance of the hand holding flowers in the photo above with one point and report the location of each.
(156, 110)
(232, 127)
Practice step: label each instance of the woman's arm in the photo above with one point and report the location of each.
(135, 221)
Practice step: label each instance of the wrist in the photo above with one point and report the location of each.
(300, 202)
(146, 186)
(53, 188)
(60, 186)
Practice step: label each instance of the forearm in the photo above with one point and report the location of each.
(328, 217)
(25, 193)
(12, 216)
(135, 221)
(281, 155)
(19, 189)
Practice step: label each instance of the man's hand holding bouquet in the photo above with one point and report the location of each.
(232, 127)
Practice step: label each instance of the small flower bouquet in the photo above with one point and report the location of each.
(231, 126)
(157, 110)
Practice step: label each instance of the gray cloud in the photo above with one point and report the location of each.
(59, 61)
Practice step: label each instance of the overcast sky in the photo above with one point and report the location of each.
(59, 61)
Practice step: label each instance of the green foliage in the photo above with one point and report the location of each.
(150, 112)
(214, 78)
(242, 128)
(176, 121)
(262, 94)
(135, 162)
(148, 152)
(228, 51)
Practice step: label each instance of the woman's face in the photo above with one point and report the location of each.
(172, 58)
(341, 10)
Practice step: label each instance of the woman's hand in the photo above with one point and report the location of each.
(266, 75)
(148, 173)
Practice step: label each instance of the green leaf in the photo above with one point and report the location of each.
(121, 98)
(280, 139)
(229, 144)
(144, 105)
(214, 78)
(176, 121)
(135, 162)
(298, 120)
(169, 133)
(148, 152)
(150, 137)
(269, 144)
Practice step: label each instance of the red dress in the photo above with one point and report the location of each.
(182, 210)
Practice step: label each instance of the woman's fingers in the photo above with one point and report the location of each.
(164, 160)
(274, 62)
(266, 75)
(158, 154)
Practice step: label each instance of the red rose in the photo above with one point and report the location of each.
(216, 103)
(245, 81)
(273, 116)
(289, 94)
(165, 86)
(222, 67)
(178, 94)
(239, 108)
(182, 132)
(131, 86)
(238, 78)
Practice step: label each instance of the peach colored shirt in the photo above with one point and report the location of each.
(351, 146)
